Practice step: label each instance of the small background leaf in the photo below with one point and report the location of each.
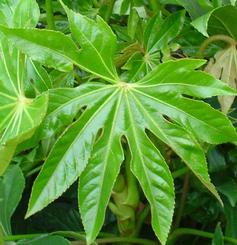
(12, 184)
(218, 236)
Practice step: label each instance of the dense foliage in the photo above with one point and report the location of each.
(117, 122)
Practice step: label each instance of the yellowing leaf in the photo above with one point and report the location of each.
(224, 67)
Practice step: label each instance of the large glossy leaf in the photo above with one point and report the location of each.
(96, 40)
(146, 104)
(95, 117)
(19, 115)
(97, 180)
(53, 49)
(11, 187)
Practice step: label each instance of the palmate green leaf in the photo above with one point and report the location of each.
(157, 35)
(127, 110)
(11, 187)
(19, 115)
(96, 40)
(56, 50)
(96, 116)
(51, 48)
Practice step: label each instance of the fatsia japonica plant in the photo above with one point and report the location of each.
(107, 126)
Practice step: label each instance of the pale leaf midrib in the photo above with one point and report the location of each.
(107, 153)
(140, 154)
(164, 135)
(52, 175)
(178, 109)
(8, 72)
(99, 55)
(78, 98)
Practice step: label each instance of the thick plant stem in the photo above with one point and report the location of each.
(155, 5)
(67, 234)
(182, 200)
(120, 240)
(216, 3)
(125, 200)
(23, 236)
(186, 231)
(81, 238)
(49, 14)
(143, 215)
(109, 10)
(229, 40)
(179, 172)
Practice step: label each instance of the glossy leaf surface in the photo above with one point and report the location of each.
(158, 34)
(11, 187)
(96, 117)
(138, 107)
(19, 13)
(20, 114)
